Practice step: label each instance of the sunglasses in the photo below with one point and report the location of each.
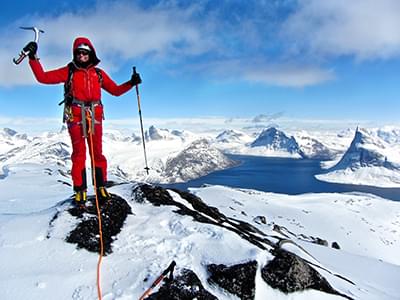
(81, 52)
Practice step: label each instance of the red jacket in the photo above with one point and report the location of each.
(85, 81)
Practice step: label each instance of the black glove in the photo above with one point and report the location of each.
(31, 48)
(135, 79)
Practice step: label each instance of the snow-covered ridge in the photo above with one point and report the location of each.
(237, 244)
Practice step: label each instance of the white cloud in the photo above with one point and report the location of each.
(289, 75)
(365, 29)
(286, 74)
(119, 31)
(122, 31)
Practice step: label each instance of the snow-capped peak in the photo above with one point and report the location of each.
(233, 136)
(277, 140)
(8, 132)
(365, 150)
(156, 134)
(196, 160)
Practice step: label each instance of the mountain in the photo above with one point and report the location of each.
(50, 148)
(389, 134)
(196, 160)
(10, 139)
(157, 134)
(312, 148)
(368, 158)
(233, 136)
(365, 150)
(273, 139)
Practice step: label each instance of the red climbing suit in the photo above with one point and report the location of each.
(85, 89)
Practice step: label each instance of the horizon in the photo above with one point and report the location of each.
(207, 124)
(295, 59)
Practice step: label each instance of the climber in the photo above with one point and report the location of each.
(83, 82)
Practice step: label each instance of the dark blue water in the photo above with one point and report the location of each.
(281, 175)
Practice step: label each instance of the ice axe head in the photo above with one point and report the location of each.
(23, 54)
(36, 30)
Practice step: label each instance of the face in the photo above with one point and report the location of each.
(82, 56)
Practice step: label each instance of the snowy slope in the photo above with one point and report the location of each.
(369, 159)
(36, 261)
(312, 148)
(198, 159)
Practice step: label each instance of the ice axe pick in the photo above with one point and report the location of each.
(23, 53)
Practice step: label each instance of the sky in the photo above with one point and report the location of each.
(294, 59)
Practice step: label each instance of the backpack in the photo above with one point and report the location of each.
(67, 90)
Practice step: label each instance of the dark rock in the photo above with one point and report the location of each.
(186, 286)
(335, 245)
(290, 273)
(238, 279)
(320, 241)
(86, 233)
(260, 220)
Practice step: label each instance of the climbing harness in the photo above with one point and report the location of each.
(86, 108)
(169, 270)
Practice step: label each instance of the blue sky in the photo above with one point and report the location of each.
(311, 59)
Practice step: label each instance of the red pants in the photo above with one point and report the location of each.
(78, 157)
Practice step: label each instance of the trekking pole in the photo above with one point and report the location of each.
(141, 123)
(169, 270)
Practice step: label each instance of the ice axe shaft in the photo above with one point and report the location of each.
(141, 124)
(23, 53)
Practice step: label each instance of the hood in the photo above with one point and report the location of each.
(83, 40)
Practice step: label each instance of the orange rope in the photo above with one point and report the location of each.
(90, 139)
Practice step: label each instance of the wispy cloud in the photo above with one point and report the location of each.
(287, 74)
(285, 43)
(365, 29)
(120, 31)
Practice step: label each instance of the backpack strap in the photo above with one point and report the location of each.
(68, 84)
(100, 75)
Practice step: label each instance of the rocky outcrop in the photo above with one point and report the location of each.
(186, 286)
(86, 233)
(290, 273)
(238, 280)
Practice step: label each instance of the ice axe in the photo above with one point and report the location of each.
(23, 53)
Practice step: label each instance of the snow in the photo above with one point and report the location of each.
(36, 261)
(35, 265)
(126, 159)
(373, 176)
